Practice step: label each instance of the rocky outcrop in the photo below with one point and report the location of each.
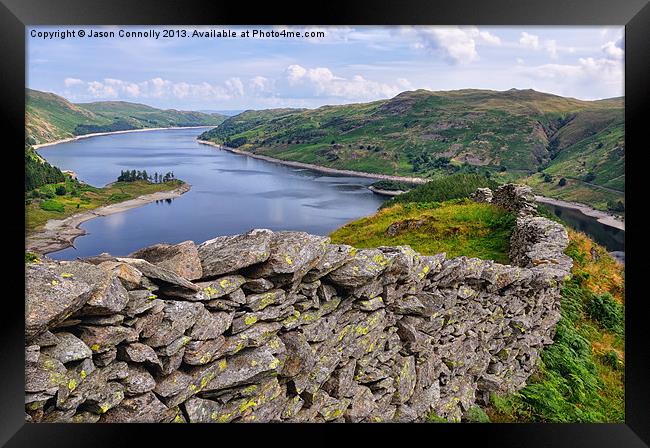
(285, 326)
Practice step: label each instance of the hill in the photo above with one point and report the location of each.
(513, 134)
(49, 117)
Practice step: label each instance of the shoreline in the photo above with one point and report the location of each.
(319, 168)
(602, 217)
(99, 134)
(385, 192)
(59, 234)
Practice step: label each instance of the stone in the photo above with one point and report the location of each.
(226, 254)
(292, 253)
(257, 302)
(54, 291)
(101, 339)
(210, 325)
(202, 411)
(138, 382)
(178, 318)
(482, 195)
(69, 348)
(336, 255)
(110, 299)
(130, 277)
(160, 275)
(139, 353)
(181, 258)
(348, 336)
(145, 408)
(258, 285)
(365, 265)
(203, 352)
(299, 356)
(245, 367)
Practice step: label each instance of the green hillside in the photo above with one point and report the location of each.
(512, 134)
(49, 117)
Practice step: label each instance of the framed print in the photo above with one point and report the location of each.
(372, 215)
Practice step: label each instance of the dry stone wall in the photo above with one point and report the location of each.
(287, 327)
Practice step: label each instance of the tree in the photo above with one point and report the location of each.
(547, 178)
(60, 190)
(155, 177)
(562, 182)
(590, 176)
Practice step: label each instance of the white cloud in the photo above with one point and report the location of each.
(456, 44)
(551, 48)
(260, 85)
(320, 81)
(69, 82)
(614, 49)
(529, 40)
(606, 73)
(157, 88)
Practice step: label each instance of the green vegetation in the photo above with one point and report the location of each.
(443, 188)
(581, 376)
(393, 185)
(43, 203)
(506, 135)
(457, 227)
(38, 172)
(50, 117)
(133, 175)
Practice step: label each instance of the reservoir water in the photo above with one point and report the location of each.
(230, 193)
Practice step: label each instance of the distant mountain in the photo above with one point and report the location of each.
(49, 117)
(227, 112)
(513, 134)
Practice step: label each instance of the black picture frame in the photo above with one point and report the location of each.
(15, 15)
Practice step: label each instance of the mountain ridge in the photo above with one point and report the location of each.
(514, 135)
(50, 117)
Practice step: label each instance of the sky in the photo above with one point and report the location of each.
(346, 65)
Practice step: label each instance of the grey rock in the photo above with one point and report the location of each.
(144, 408)
(226, 254)
(69, 348)
(159, 274)
(181, 258)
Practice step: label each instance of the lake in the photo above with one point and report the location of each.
(230, 193)
(609, 237)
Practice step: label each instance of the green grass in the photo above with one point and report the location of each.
(457, 227)
(42, 204)
(443, 188)
(581, 376)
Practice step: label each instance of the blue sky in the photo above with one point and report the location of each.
(349, 64)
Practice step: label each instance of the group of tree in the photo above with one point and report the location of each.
(38, 172)
(133, 175)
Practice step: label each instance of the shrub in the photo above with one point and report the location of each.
(589, 177)
(444, 188)
(547, 178)
(52, 205)
(60, 190)
(31, 257)
(477, 415)
(616, 206)
(562, 182)
(605, 310)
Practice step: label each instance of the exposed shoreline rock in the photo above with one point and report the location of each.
(287, 327)
(60, 234)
